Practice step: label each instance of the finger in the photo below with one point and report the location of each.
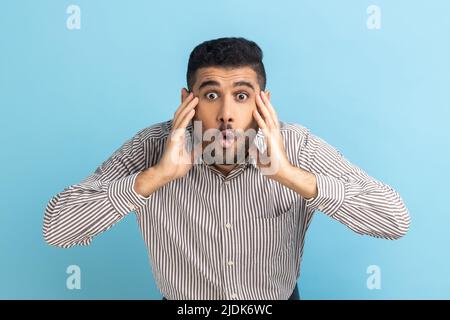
(189, 108)
(266, 131)
(179, 128)
(264, 112)
(185, 120)
(260, 121)
(183, 105)
(270, 107)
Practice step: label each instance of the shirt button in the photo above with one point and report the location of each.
(230, 263)
(234, 296)
(228, 226)
(320, 208)
(131, 206)
(226, 183)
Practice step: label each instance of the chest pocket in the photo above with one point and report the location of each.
(270, 235)
(280, 201)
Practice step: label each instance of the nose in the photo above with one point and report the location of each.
(225, 114)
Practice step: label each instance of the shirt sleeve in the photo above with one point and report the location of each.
(349, 195)
(83, 210)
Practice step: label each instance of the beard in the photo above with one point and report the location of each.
(223, 145)
(237, 154)
(224, 151)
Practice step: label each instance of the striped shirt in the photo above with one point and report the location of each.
(216, 236)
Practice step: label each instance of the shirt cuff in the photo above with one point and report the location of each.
(123, 197)
(330, 194)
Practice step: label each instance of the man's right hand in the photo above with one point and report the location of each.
(175, 161)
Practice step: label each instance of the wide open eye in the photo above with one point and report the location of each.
(242, 96)
(211, 95)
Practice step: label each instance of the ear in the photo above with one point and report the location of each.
(267, 92)
(184, 94)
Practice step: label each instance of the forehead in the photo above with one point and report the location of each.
(226, 76)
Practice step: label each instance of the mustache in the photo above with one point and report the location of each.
(226, 126)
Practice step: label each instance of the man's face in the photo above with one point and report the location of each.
(227, 98)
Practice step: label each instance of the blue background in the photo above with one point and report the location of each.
(69, 98)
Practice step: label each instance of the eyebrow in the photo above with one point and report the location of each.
(217, 84)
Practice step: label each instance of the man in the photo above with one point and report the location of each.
(224, 192)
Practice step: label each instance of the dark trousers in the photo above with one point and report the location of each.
(294, 296)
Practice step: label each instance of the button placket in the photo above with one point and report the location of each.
(229, 261)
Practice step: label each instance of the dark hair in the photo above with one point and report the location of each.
(227, 53)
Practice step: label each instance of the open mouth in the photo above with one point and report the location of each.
(227, 138)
